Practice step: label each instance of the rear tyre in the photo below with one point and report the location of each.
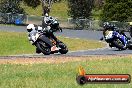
(43, 48)
(63, 49)
(119, 44)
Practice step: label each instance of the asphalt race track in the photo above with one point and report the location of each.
(82, 34)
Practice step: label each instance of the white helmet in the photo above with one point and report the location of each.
(30, 27)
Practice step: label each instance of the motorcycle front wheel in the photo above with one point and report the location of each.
(43, 48)
(63, 49)
(129, 46)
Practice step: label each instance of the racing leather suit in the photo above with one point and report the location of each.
(47, 20)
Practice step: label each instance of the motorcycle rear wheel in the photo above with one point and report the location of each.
(43, 48)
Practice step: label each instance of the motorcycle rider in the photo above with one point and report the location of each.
(107, 26)
(33, 29)
(46, 23)
(112, 27)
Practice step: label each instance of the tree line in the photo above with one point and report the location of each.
(117, 10)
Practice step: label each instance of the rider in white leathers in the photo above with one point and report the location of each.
(32, 30)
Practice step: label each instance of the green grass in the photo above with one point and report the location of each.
(59, 10)
(62, 75)
(81, 44)
(17, 43)
(96, 14)
(14, 43)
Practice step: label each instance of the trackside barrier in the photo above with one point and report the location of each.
(70, 23)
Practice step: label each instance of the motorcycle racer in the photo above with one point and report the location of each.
(46, 23)
(112, 27)
(33, 29)
(109, 27)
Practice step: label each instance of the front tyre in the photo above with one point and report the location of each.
(63, 49)
(119, 44)
(129, 46)
(43, 48)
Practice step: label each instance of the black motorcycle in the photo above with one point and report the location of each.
(44, 40)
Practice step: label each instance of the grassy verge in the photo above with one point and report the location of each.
(17, 43)
(81, 44)
(59, 10)
(63, 75)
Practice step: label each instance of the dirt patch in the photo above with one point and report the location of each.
(55, 60)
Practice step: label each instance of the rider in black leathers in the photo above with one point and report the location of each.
(46, 23)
